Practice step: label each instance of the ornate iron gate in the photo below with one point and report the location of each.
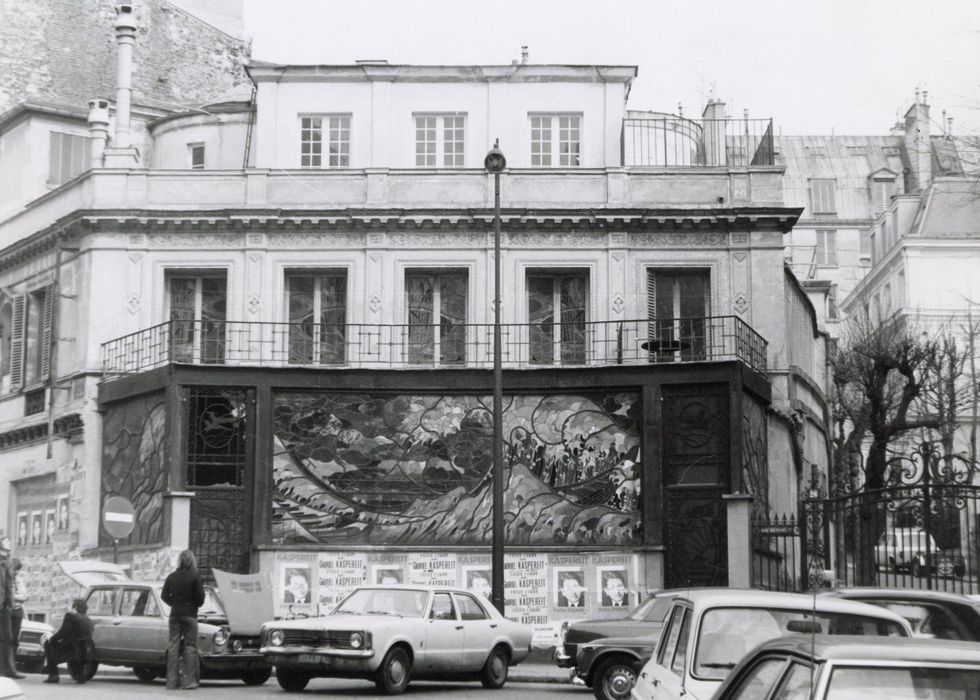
(218, 458)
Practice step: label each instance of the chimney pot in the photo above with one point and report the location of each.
(125, 18)
(524, 54)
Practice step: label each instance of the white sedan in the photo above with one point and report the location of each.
(391, 634)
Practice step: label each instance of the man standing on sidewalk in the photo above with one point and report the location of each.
(6, 606)
(183, 592)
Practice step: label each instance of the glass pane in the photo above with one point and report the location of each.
(680, 655)
(333, 319)
(300, 306)
(183, 292)
(573, 312)
(757, 683)
(541, 317)
(214, 303)
(420, 292)
(452, 318)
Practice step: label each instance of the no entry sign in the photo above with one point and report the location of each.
(118, 517)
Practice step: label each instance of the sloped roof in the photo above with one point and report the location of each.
(952, 209)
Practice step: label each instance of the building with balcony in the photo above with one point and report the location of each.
(289, 364)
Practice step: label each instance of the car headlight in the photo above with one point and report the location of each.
(237, 646)
(276, 638)
(356, 640)
(220, 638)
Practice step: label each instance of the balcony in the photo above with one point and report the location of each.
(676, 142)
(445, 346)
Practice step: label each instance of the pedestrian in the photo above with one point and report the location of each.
(183, 592)
(17, 609)
(71, 642)
(7, 665)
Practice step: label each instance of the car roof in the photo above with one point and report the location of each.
(843, 647)
(902, 594)
(775, 599)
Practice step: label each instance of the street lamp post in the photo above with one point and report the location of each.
(495, 163)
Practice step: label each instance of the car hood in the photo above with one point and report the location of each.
(644, 640)
(34, 626)
(333, 622)
(586, 630)
(247, 600)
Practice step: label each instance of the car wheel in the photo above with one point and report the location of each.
(145, 674)
(613, 680)
(293, 681)
(257, 676)
(82, 672)
(395, 671)
(494, 673)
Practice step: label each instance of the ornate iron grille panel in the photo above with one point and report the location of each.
(697, 538)
(219, 534)
(217, 453)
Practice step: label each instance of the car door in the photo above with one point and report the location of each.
(444, 636)
(142, 626)
(101, 602)
(667, 674)
(479, 630)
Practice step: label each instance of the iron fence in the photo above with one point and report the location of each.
(777, 554)
(579, 344)
(680, 142)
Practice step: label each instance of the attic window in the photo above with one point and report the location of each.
(892, 150)
(816, 150)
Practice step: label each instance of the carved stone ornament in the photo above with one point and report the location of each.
(133, 304)
(254, 304)
(663, 239)
(375, 302)
(740, 303)
(197, 240)
(618, 304)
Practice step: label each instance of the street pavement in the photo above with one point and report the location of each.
(536, 678)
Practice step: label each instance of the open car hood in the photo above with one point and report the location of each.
(89, 572)
(247, 600)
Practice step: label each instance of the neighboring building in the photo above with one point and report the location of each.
(288, 365)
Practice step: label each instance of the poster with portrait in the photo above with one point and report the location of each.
(62, 513)
(37, 527)
(387, 575)
(296, 584)
(569, 587)
(23, 528)
(49, 525)
(612, 586)
(478, 579)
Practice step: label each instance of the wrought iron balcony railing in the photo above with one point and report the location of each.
(678, 142)
(354, 345)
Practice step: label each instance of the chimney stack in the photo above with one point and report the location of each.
(98, 128)
(122, 153)
(524, 54)
(918, 145)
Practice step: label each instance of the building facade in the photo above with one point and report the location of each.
(288, 366)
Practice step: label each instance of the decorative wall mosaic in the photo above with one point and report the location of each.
(416, 469)
(133, 449)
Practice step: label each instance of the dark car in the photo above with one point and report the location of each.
(935, 614)
(610, 665)
(821, 667)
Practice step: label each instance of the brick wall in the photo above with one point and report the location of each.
(64, 52)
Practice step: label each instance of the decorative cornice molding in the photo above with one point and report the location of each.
(65, 426)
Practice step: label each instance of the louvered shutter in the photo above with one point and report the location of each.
(651, 304)
(46, 332)
(17, 343)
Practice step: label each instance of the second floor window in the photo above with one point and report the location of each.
(822, 196)
(556, 140)
(678, 302)
(557, 314)
(67, 157)
(198, 309)
(317, 307)
(439, 140)
(436, 303)
(826, 253)
(195, 155)
(325, 141)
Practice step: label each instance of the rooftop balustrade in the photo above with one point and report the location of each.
(667, 142)
(443, 346)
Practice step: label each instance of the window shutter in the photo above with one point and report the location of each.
(651, 293)
(46, 336)
(17, 343)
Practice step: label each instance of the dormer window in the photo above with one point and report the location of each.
(882, 191)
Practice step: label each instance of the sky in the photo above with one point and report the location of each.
(817, 67)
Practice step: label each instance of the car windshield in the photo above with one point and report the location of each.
(870, 683)
(727, 634)
(653, 610)
(384, 601)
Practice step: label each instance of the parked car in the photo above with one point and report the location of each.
(30, 645)
(936, 614)
(131, 629)
(646, 620)
(913, 550)
(392, 634)
(709, 631)
(845, 668)
(610, 665)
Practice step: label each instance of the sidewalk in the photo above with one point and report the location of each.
(539, 667)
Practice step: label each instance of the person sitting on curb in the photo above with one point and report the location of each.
(71, 642)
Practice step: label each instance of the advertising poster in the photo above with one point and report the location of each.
(388, 569)
(433, 569)
(295, 585)
(337, 575)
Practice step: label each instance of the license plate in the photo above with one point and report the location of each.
(311, 659)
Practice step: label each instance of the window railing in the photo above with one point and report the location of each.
(355, 345)
(678, 142)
